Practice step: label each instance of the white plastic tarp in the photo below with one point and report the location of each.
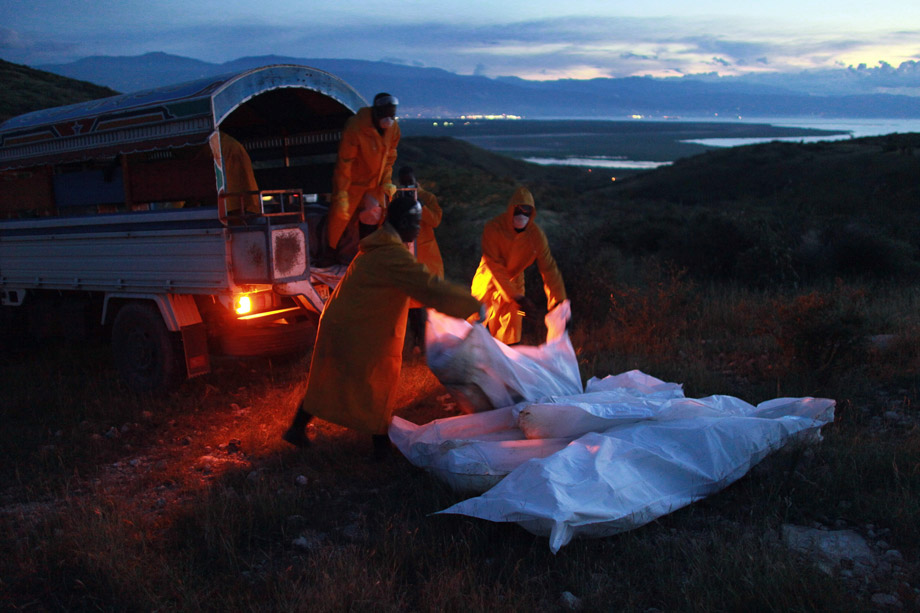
(464, 355)
(626, 451)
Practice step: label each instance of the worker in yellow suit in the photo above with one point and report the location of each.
(426, 249)
(362, 179)
(426, 245)
(510, 243)
(238, 176)
(358, 353)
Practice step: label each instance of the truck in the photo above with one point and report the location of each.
(185, 221)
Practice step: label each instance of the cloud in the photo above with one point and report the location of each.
(22, 49)
(538, 48)
(10, 39)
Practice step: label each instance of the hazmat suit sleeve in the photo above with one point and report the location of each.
(553, 285)
(492, 257)
(413, 278)
(392, 141)
(431, 210)
(342, 209)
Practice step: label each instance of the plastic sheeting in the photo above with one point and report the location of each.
(466, 359)
(627, 450)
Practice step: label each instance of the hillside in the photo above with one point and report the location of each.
(776, 213)
(25, 89)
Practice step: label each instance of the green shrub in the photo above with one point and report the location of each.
(822, 329)
(858, 249)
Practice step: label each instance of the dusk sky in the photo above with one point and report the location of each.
(537, 39)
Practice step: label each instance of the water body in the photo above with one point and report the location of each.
(848, 128)
(597, 162)
(843, 129)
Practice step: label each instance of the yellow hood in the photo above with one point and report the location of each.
(521, 195)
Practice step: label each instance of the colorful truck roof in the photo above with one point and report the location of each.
(165, 117)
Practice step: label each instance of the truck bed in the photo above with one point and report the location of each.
(181, 251)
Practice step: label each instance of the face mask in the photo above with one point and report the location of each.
(386, 122)
(520, 221)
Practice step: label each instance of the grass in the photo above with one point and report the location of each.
(172, 514)
(112, 501)
(26, 89)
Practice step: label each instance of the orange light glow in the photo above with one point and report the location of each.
(243, 305)
(269, 313)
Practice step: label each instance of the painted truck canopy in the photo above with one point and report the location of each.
(177, 116)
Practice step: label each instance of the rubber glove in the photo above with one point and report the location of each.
(389, 189)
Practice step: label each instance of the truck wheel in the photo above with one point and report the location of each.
(145, 350)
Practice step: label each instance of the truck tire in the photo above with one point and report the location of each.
(146, 352)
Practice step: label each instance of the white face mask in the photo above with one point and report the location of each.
(520, 221)
(386, 122)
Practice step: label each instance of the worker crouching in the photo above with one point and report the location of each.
(358, 353)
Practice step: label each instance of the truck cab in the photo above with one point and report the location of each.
(186, 220)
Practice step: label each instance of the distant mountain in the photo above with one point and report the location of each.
(432, 92)
(25, 89)
(134, 73)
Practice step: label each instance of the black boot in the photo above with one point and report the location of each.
(418, 319)
(296, 434)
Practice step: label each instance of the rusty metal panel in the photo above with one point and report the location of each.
(249, 255)
(289, 255)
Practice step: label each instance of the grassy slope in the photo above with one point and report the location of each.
(806, 206)
(159, 523)
(26, 89)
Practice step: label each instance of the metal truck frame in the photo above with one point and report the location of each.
(181, 219)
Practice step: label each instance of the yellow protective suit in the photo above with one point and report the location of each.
(358, 352)
(364, 164)
(506, 253)
(238, 175)
(426, 246)
(427, 251)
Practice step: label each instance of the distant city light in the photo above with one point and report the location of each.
(502, 116)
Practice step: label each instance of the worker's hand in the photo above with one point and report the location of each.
(526, 304)
(389, 189)
(340, 200)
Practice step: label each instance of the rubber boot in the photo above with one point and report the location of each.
(417, 319)
(296, 434)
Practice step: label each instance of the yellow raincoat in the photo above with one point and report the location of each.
(365, 164)
(500, 276)
(426, 246)
(427, 251)
(238, 175)
(358, 352)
